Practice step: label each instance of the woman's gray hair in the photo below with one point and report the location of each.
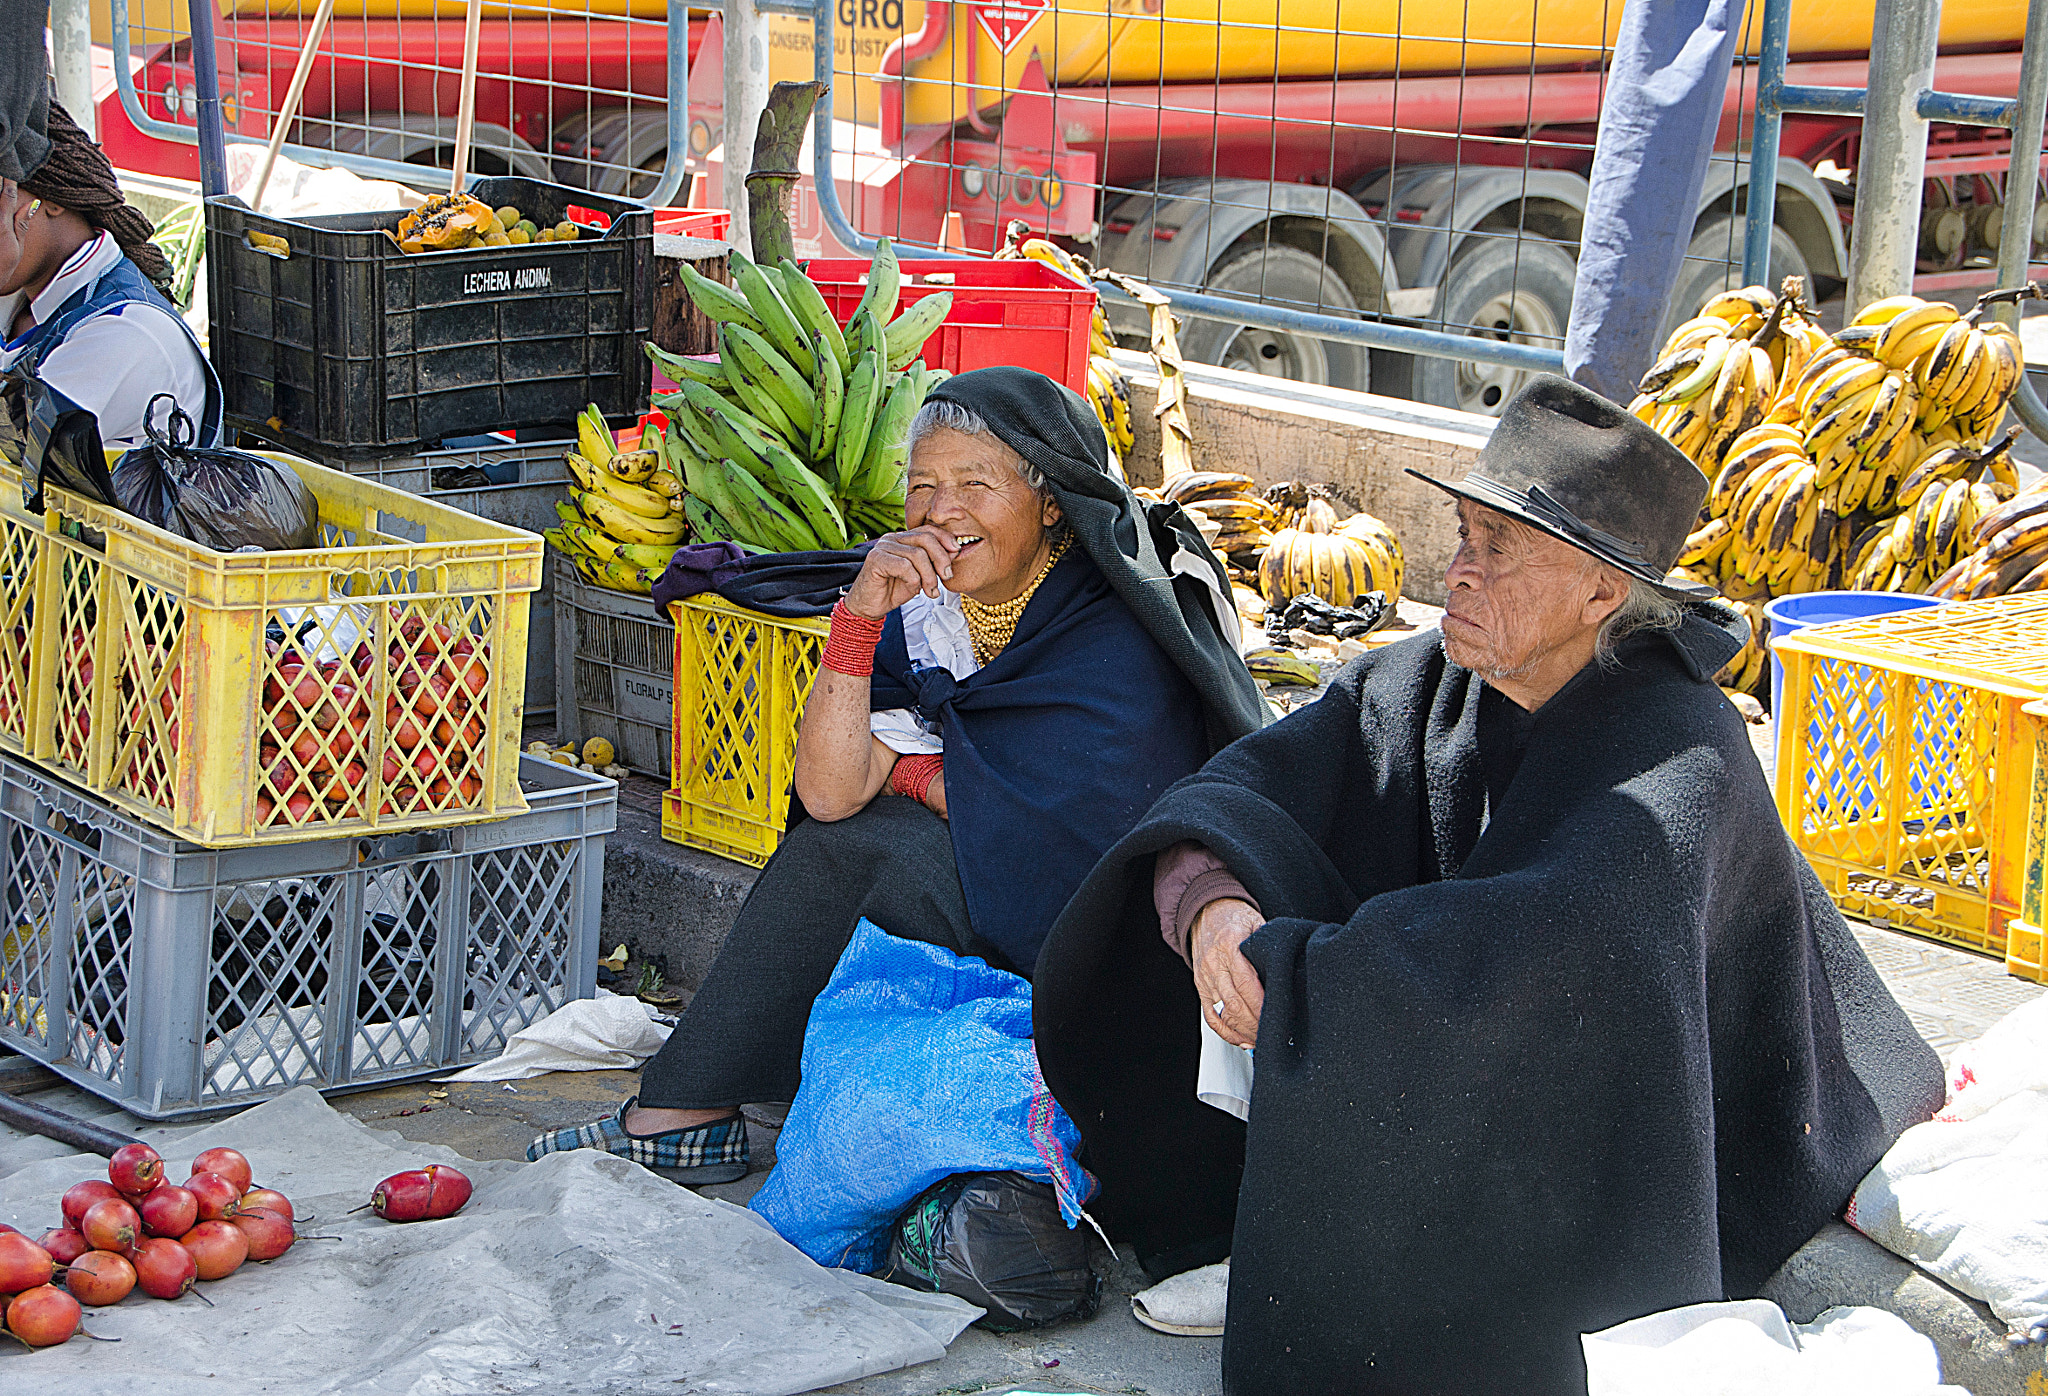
(946, 415)
(1644, 609)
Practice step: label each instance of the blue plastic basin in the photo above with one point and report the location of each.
(1854, 733)
(1790, 613)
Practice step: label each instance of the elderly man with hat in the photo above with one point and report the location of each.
(1553, 1027)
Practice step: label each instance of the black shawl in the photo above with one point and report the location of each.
(1053, 751)
(1615, 1053)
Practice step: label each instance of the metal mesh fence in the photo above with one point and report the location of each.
(1333, 158)
(1417, 172)
(573, 92)
(1425, 165)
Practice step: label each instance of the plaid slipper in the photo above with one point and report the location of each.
(713, 1153)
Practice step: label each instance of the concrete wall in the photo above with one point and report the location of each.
(1360, 445)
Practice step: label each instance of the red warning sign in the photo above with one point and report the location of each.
(1006, 21)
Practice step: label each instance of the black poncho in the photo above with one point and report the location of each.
(1613, 1054)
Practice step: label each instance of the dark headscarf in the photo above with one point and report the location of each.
(1135, 545)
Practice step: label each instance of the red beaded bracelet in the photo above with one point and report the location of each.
(850, 644)
(913, 775)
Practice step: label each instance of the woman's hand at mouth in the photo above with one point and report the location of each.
(899, 566)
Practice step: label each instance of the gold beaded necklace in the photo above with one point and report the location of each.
(989, 628)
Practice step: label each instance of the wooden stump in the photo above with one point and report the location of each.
(679, 327)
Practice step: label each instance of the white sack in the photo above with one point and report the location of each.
(1748, 1349)
(1965, 1195)
(580, 1273)
(299, 191)
(609, 1032)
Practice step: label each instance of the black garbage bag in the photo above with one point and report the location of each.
(996, 1240)
(61, 445)
(227, 500)
(1317, 616)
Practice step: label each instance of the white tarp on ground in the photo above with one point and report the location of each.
(1965, 1195)
(581, 1273)
(606, 1033)
(1746, 1348)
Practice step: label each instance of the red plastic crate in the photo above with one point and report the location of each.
(713, 223)
(1011, 312)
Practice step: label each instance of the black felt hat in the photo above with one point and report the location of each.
(1569, 462)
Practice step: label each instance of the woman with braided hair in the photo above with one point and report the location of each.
(80, 301)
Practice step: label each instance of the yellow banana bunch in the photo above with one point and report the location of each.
(618, 527)
(1383, 551)
(1750, 670)
(1246, 521)
(1338, 567)
(1968, 376)
(1109, 393)
(1720, 371)
(2008, 547)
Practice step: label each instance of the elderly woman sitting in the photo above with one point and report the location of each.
(1008, 685)
(1553, 1026)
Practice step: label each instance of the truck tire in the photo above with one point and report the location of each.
(1517, 289)
(1713, 263)
(1285, 276)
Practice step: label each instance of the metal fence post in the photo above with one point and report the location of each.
(1885, 236)
(1763, 146)
(71, 58)
(2023, 175)
(676, 163)
(213, 150)
(2022, 182)
(746, 93)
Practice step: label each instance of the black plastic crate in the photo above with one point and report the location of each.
(349, 344)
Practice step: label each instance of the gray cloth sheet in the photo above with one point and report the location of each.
(580, 1273)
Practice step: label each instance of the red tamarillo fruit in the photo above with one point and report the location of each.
(136, 1170)
(421, 1194)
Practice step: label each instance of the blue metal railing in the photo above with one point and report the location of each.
(2021, 114)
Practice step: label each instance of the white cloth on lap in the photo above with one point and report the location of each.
(1965, 1195)
(934, 632)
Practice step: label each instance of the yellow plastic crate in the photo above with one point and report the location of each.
(21, 551)
(741, 682)
(1905, 762)
(2026, 935)
(372, 684)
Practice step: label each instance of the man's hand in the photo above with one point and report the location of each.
(898, 567)
(1222, 973)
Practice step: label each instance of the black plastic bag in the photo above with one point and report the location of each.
(1318, 617)
(996, 1240)
(61, 446)
(228, 500)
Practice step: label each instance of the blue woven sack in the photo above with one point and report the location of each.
(917, 1065)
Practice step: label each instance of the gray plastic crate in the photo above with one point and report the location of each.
(615, 665)
(530, 478)
(339, 964)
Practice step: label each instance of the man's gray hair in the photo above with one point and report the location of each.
(945, 415)
(1644, 609)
